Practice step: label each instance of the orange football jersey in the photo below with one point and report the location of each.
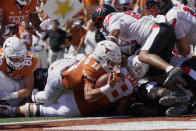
(121, 90)
(29, 67)
(87, 67)
(12, 14)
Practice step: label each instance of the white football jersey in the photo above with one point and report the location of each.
(183, 19)
(192, 4)
(133, 28)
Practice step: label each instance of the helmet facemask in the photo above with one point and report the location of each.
(16, 62)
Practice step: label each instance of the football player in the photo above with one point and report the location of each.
(17, 66)
(156, 40)
(152, 91)
(182, 18)
(70, 89)
(12, 12)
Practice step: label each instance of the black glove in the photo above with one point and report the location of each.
(174, 75)
(99, 36)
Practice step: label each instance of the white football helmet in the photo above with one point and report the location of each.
(13, 48)
(24, 2)
(137, 67)
(108, 55)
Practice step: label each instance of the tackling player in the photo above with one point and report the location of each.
(156, 40)
(181, 17)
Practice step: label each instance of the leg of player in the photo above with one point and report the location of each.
(166, 97)
(53, 88)
(65, 106)
(52, 91)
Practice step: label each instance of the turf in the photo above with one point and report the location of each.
(25, 119)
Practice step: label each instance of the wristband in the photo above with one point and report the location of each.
(105, 88)
(10, 96)
(169, 68)
(14, 95)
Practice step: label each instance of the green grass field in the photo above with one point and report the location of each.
(26, 119)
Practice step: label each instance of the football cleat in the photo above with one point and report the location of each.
(177, 110)
(6, 111)
(176, 98)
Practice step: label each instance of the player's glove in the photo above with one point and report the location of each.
(174, 75)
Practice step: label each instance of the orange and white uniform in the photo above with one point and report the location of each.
(87, 67)
(29, 66)
(13, 81)
(64, 92)
(69, 74)
(72, 102)
(12, 14)
(121, 90)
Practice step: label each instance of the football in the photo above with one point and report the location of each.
(102, 80)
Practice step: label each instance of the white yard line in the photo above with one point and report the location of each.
(133, 126)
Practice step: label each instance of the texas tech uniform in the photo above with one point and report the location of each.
(133, 27)
(183, 20)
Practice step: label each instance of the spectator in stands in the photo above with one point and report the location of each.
(40, 50)
(122, 5)
(16, 71)
(89, 41)
(89, 5)
(58, 39)
(78, 32)
(25, 34)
